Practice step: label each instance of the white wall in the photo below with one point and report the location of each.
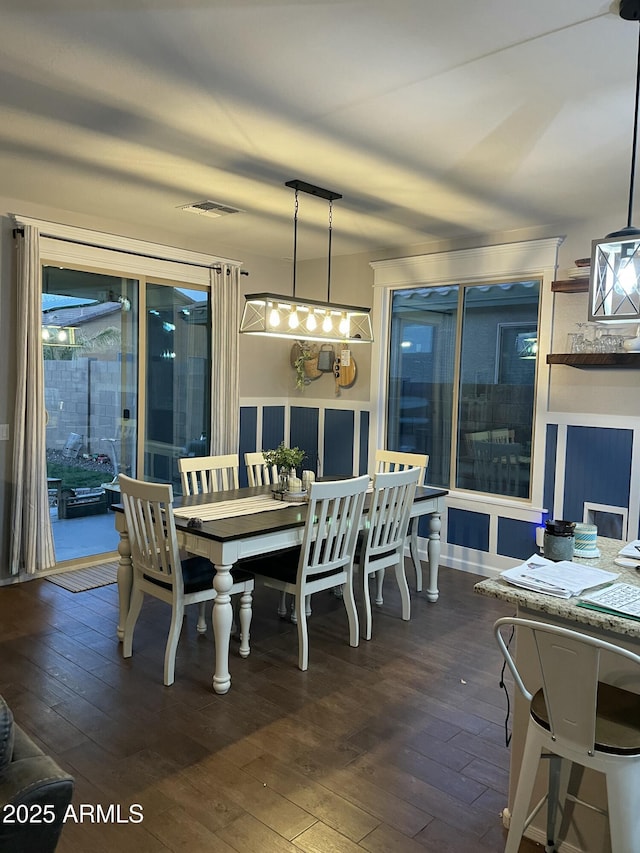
(266, 372)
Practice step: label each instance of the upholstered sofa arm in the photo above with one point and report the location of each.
(34, 794)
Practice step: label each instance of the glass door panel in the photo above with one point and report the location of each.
(422, 376)
(89, 338)
(177, 377)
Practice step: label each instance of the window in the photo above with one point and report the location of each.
(462, 370)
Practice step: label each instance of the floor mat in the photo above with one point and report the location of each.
(80, 580)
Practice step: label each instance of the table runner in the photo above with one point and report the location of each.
(228, 509)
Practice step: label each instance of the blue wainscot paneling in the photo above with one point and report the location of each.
(469, 529)
(248, 429)
(272, 427)
(363, 462)
(303, 433)
(516, 538)
(597, 468)
(338, 442)
(551, 452)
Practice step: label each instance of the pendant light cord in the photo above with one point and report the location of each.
(635, 137)
(295, 243)
(329, 259)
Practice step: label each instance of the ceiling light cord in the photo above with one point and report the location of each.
(634, 147)
(295, 243)
(329, 254)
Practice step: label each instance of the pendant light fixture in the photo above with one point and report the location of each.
(614, 286)
(278, 316)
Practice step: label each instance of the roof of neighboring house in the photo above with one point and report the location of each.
(76, 316)
(51, 301)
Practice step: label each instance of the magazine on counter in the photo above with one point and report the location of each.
(562, 579)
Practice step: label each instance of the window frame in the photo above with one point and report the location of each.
(532, 259)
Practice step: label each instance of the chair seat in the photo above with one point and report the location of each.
(198, 574)
(617, 720)
(360, 547)
(283, 567)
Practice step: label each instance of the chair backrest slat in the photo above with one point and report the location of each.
(333, 521)
(202, 474)
(258, 472)
(389, 510)
(392, 460)
(151, 529)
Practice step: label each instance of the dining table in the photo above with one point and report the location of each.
(229, 526)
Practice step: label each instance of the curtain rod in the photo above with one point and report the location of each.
(20, 231)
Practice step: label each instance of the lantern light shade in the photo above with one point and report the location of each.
(269, 314)
(614, 285)
(278, 316)
(614, 291)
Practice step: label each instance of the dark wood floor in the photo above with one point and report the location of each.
(395, 746)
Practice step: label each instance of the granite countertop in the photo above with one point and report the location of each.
(566, 608)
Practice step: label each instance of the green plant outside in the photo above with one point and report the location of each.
(78, 478)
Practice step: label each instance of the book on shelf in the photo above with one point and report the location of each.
(563, 579)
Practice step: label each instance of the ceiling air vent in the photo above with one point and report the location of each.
(209, 208)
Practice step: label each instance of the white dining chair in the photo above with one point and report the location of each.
(325, 558)
(381, 545)
(395, 460)
(576, 718)
(159, 571)
(201, 474)
(497, 467)
(258, 472)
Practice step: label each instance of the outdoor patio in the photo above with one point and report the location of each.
(84, 536)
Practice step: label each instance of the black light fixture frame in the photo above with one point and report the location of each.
(630, 11)
(618, 253)
(319, 192)
(255, 318)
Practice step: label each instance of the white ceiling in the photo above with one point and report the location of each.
(433, 119)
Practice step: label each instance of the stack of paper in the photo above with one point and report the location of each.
(562, 579)
(631, 550)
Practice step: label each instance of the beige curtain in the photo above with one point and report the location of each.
(32, 546)
(225, 397)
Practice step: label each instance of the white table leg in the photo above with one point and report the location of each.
(125, 581)
(246, 612)
(413, 551)
(222, 620)
(433, 550)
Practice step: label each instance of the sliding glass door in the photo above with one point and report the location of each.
(127, 379)
(89, 348)
(177, 379)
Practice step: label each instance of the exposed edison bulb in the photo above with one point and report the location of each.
(627, 277)
(274, 316)
(326, 323)
(311, 321)
(294, 320)
(344, 325)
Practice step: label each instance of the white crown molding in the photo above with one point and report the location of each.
(528, 257)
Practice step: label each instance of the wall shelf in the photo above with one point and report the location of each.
(596, 359)
(571, 285)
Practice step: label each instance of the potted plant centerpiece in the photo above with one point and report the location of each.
(286, 460)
